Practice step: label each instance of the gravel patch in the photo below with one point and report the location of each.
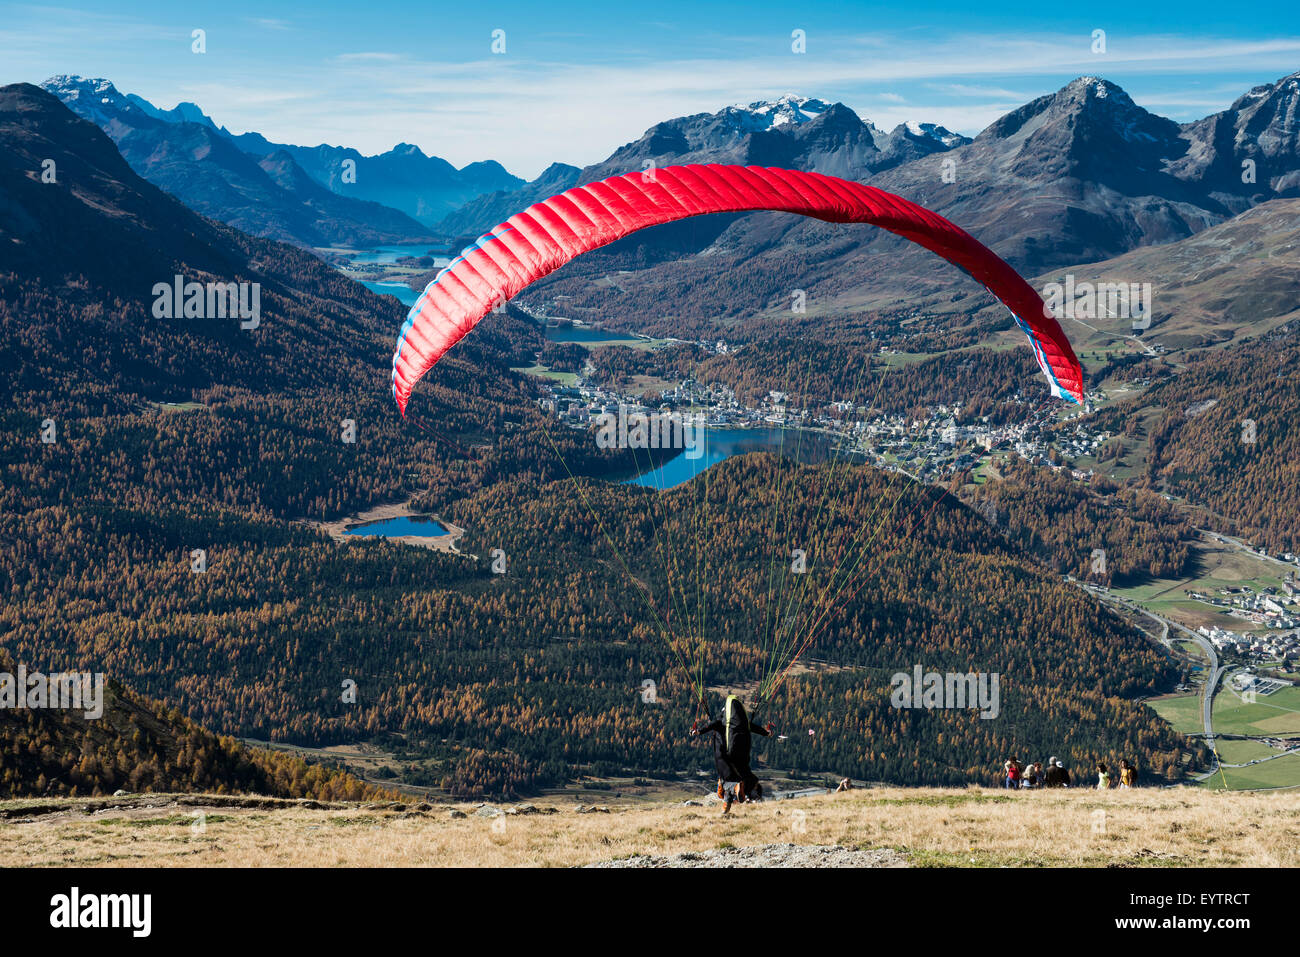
(770, 855)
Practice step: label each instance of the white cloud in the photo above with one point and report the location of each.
(981, 90)
(527, 112)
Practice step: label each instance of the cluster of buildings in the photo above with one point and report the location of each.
(1041, 435)
(930, 448)
(1279, 647)
(578, 404)
(1277, 609)
(1270, 607)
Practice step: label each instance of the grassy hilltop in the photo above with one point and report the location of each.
(923, 827)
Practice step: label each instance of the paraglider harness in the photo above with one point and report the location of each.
(731, 747)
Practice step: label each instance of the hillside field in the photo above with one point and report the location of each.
(921, 827)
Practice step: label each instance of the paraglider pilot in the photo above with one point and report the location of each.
(731, 745)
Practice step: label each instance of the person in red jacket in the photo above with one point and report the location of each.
(1012, 771)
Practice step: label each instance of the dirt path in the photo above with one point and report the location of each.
(771, 855)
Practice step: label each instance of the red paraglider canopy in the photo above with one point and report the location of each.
(546, 235)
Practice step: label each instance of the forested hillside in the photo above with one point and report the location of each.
(136, 745)
(1225, 433)
(1063, 522)
(545, 662)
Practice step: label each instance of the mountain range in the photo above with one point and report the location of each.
(183, 152)
(424, 187)
(306, 195)
(1085, 173)
(794, 132)
(1080, 175)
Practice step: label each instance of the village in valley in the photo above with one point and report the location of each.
(930, 449)
(1268, 607)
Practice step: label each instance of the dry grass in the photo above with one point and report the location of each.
(931, 827)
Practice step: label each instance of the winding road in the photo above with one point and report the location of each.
(1213, 675)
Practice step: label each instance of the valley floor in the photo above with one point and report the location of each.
(918, 827)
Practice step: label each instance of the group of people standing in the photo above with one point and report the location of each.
(1055, 775)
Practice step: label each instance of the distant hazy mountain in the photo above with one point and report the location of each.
(426, 188)
(184, 153)
(90, 247)
(481, 214)
(794, 132)
(100, 102)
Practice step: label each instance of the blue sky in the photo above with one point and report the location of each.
(578, 80)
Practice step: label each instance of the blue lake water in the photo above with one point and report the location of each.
(722, 444)
(420, 525)
(383, 255)
(585, 334)
(404, 293)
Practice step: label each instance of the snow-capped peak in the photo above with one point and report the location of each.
(789, 109)
(70, 86)
(98, 100)
(1098, 89)
(934, 131)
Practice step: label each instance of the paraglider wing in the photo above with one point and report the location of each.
(531, 244)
